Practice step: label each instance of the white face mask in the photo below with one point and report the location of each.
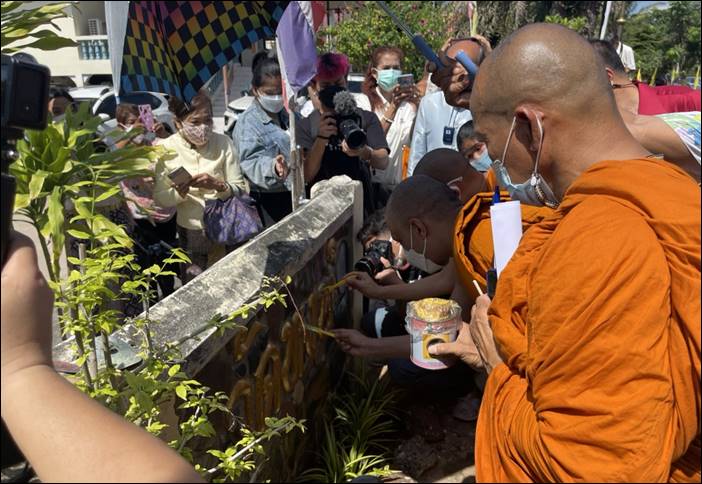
(534, 191)
(272, 104)
(483, 163)
(420, 261)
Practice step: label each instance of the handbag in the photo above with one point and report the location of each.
(232, 221)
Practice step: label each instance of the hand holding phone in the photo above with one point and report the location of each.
(147, 117)
(405, 80)
(180, 176)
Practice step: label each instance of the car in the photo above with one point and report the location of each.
(104, 104)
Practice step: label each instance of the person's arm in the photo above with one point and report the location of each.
(314, 148)
(419, 137)
(232, 173)
(355, 343)
(656, 136)
(256, 164)
(435, 285)
(165, 194)
(377, 151)
(65, 435)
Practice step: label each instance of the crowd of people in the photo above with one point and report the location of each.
(586, 363)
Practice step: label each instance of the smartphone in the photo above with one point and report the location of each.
(146, 116)
(180, 176)
(406, 80)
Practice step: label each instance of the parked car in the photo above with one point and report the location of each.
(104, 104)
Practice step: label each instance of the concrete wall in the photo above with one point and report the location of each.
(274, 367)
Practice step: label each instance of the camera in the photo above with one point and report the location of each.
(370, 263)
(348, 118)
(25, 97)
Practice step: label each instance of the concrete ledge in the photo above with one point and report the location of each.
(282, 250)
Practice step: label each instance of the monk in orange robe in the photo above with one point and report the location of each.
(592, 343)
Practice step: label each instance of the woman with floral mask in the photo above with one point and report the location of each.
(396, 107)
(213, 171)
(263, 143)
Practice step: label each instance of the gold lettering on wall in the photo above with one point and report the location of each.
(244, 339)
(294, 362)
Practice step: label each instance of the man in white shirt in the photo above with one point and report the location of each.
(626, 54)
(439, 118)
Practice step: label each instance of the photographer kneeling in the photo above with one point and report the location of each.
(341, 139)
(420, 215)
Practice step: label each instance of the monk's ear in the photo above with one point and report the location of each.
(418, 226)
(534, 119)
(610, 74)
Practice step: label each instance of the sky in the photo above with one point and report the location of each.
(641, 5)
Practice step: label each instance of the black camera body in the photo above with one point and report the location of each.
(25, 98)
(349, 126)
(347, 115)
(370, 263)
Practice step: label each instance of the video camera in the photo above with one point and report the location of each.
(25, 98)
(348, 118)
(370, 263)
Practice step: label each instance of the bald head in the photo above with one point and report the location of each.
(420, 196)
(546, 64)
(458, 94)
(447, 165)
(553, 85)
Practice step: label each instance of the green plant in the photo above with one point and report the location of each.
(22, 24)
(579, 24)
(357, 435)
(363, 29)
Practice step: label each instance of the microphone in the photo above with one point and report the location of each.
(345, 103)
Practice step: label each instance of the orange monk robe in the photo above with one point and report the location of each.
(473, 248)
(597, 317)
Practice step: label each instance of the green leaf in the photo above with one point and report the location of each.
(36, 184)
(78, 234)
(21, 201)
(56, 221)
(182, 392)
(172, 371)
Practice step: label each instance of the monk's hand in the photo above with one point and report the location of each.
(463, 348)
(365, 284)
(482, 335)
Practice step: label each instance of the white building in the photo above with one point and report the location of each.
(86, 25)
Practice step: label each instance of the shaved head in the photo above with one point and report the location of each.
(550, 82)
(421, 196)
(446, 165)
(422, 209)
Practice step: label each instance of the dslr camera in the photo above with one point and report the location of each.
(348, 118)
(25, 98)
(370, 263)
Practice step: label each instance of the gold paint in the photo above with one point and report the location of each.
(244, 339)
(294, 362)
(268, 385)
(242, 390)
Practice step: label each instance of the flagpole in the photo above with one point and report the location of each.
(603, 32)
(297, 188)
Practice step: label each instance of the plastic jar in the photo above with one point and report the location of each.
(428, 322)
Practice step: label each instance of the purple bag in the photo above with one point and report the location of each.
(232, 221)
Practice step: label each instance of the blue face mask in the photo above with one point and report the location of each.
(387, 78)
(483, 163)
(534, 191)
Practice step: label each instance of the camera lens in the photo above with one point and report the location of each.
(355, 137)
(370, 264)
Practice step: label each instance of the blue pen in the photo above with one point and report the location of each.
(496, 195)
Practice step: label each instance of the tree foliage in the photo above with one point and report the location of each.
(364, 29)
(664, 40)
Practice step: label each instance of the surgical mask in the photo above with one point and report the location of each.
(272, 104)
(534, 191)
(387, 78)
(483, 163)
(197, 134)
(420, 261)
